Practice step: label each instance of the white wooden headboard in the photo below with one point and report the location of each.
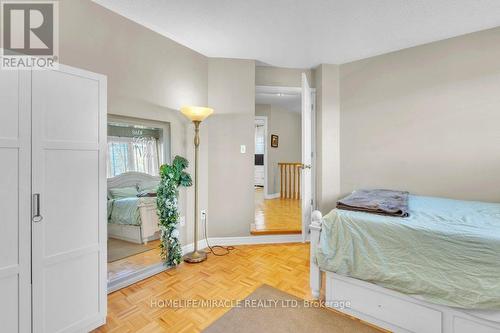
(128, 179)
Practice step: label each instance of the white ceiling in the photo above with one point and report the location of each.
(305, 33)
(286, 98)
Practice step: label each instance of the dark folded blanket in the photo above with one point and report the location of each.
(382, 202)
(146, 194)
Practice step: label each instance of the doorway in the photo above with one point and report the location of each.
(278, 160)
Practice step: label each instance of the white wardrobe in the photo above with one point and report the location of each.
(52, 200)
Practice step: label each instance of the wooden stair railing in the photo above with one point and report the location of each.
(290, 180)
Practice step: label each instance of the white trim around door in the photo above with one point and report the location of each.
(298, 91)
(266, 187)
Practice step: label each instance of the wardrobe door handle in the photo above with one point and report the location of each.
(36, 208)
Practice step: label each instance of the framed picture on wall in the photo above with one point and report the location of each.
(274, 141)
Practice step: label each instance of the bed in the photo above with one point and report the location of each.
(132, 218)
(407, 274)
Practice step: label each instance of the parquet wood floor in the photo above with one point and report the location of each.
(232, 277)
(125, 266)
(276, 216)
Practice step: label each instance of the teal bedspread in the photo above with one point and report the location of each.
(124, 211)
(447, 251)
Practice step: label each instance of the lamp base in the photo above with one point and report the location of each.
(195, 257)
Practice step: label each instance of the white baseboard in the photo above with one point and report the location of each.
(271, 196)
(244, 240)
(248, 240)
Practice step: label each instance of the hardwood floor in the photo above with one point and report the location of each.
(125, 266)
(276, 216)
(232, 277)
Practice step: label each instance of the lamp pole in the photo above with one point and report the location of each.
(196, 114)
(196, 256)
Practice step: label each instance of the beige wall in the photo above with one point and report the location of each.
(425, 119)
(140, 64)
(327, 136)
(149, 76)
(287, 125)
(231, 92)
(281, 77)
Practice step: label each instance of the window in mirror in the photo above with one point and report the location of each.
(134, 148)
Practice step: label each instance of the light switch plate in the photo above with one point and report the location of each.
(243, 149)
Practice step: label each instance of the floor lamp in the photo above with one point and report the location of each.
(196, 114)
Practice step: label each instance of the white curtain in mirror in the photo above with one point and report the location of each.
(138, 154)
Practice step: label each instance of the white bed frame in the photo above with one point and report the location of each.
(148, 230)
(389, 309)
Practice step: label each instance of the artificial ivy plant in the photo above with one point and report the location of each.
(172, 177)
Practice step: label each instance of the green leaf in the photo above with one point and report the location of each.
(185, 179)
(172, 176)
(180, 163)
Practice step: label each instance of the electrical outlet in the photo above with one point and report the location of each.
(243, 149)
(203, 215)
(182, 221)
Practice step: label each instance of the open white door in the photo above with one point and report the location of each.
(69, 192)
(306, 190)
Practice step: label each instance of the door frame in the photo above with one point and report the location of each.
(313, 149)
(17, 267)
(267, 195)
(297, 90)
